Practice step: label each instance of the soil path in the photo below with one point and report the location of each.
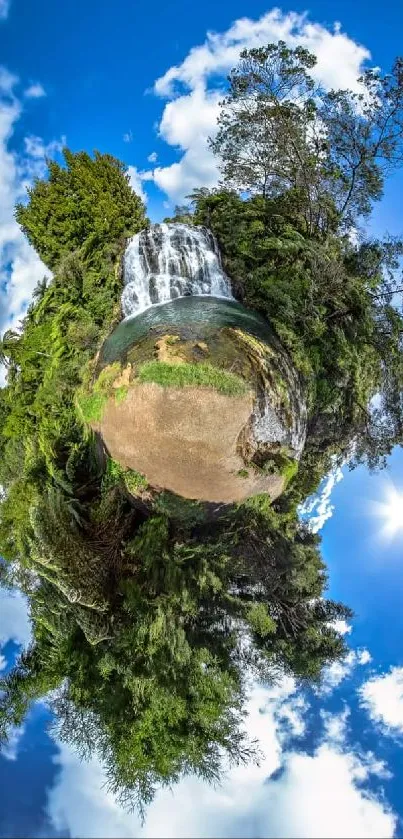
(185, 440)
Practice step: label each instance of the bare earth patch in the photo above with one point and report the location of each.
(185, 440)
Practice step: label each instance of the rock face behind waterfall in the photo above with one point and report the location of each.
(167, 261)
(196, 394)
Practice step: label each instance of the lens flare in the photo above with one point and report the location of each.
(391, 511)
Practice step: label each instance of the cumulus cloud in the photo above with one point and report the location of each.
(340, 808)
(190, 116)
(136, 182)
(14, 622)
(335, 725)
(342, 627)
(273, 799)
(152, 157)
(364, 656)
(20, 267)
(382, 696)
(335, 673)
(187, 122)
(7, 81)
(35, 91)
(10, 749)
(319, 508)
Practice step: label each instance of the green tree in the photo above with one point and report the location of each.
(160, 693)
(331, 304)
(280, 131)
(87, 201)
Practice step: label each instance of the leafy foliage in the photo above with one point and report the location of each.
(332, 305)
(87, 202)
(280, 132)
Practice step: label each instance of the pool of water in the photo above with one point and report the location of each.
(194, 313)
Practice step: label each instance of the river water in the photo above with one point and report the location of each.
(195, 313)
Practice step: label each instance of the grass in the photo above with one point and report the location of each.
(135, 481)
(116, 474)
(106, 378)
(92, 400)
(179, 509)
(192, 375)
(121, 393)
(289, 471)
(92, 406)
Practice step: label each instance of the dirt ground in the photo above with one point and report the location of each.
(185, 440)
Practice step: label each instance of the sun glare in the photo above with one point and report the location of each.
(391, 511)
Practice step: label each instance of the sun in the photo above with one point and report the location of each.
(391, 511)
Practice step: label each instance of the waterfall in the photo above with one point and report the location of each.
(166, 261)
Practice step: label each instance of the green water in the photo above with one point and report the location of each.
(193, 314)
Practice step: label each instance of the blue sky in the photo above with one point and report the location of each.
(143, 81)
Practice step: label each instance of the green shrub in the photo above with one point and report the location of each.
(135, 481)
(121, 393)
(92, 406)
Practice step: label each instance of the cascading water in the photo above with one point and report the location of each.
(167, 261)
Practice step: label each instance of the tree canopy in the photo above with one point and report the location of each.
(85, 202)
(281, 131)
(332, 303)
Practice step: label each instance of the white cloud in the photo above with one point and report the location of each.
(187, 122)
(335, 725)
(382, 696)
(128, 137)
(152, 157)
(364, 656)
(35, 91)
(339, 57)
(20, 267)
(191, 115)
(7, 80)
(4, 9)
(14, 622)
(318, 795)
(318, 509)
(342, 627)
(37, 152)
(136, 182)
(9, 750)
(337, 671)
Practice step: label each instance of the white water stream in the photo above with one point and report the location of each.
(166, 261)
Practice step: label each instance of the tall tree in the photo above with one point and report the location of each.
(280, 131)
(87, 201)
